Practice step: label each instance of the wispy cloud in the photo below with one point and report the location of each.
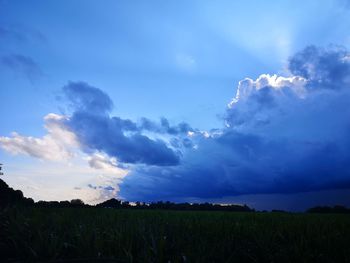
(186, 62)
(22, 65)
(21, 34)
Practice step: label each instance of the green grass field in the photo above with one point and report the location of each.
(109, 235)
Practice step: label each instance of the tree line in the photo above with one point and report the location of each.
(10, 197)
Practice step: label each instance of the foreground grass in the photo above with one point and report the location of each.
(108, 235)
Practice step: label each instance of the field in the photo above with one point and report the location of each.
(111, 235)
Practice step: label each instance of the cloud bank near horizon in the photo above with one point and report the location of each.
(282, 134)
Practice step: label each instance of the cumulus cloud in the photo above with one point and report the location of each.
(22, 65)
(256, 101)
(283, 135)
(57, 145)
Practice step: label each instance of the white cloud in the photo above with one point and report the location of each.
(58, 144)
(66, 172)
(105, 164)
(247, 87)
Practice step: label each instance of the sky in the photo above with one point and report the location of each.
(188, 101)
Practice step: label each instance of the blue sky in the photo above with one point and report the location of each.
(181, 61)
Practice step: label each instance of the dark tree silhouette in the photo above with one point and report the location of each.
(9, 196)
(111, 203)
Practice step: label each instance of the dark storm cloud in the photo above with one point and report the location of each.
(283, 135)
(86, 98)
(120, 138)
(323, 68)
(164, 126)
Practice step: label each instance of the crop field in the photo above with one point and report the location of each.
(127, 235)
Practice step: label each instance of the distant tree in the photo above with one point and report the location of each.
(125, 204)
(65, 204)
(114, 203)
(340, 209)
(328, 209)
(111, 203)
(76, 202)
